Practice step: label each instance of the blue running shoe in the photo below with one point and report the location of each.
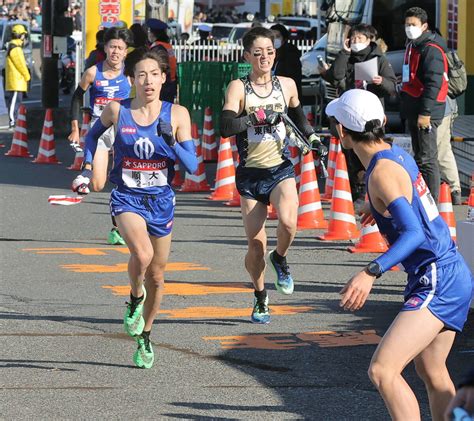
(284, 281)
(260, 312)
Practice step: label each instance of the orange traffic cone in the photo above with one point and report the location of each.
(310, 211)
(295, 159)
(470, 202)
(371, 241)
(445, 207)
(177, 181)
(19, 146)
(342, 224)
(271, 213)
(79, 158)
(334, 147)
(209, 145)
(235, 201)
(196, 182)
(47, 147)
(225, 176)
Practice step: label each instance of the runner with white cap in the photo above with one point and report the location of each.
(439, 285)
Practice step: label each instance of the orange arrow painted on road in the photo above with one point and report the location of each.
(285, 341)
(277, 341)
(122, 267)
(227, 313)
(183, 288)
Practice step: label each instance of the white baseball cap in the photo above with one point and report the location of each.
(354, 108)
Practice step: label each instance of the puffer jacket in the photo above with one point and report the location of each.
(17, 74)
(341, 73)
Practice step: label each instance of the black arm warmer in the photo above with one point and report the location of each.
(297, 115)
(77, 103)
(232, 125)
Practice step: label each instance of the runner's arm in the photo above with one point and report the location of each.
(108, 118)
(77, 102)
(395, 194)
(295, 112)
(231, 124)
(180, 138)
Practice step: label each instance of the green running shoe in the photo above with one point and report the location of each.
(133, 321)
(144, 356)
(260, 312)
(114, 238)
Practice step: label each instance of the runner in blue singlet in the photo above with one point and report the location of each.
(106, 82)
(440, 285)
(150, 136)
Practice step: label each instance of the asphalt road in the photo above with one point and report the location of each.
(64, 354)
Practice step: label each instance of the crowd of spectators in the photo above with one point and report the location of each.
(23, 11)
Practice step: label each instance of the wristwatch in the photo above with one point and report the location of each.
(374, 269)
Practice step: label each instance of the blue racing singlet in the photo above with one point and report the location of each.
(103, 90)
(143, 162)
(438, 246)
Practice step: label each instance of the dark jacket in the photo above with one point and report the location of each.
(341, 73)
(287, 63)
(431, 73)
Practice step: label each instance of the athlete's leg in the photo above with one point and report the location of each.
(134, 231)
(155, 279)
(410, 333)
(431, 368)
(284, 197)
(254, 215)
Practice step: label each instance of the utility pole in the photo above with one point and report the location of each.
(49, 65)
(55, 27)
(263, 10)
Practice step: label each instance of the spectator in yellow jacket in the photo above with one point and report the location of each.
(16, 71)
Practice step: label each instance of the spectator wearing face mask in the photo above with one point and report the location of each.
(360, 46)
(287, 61)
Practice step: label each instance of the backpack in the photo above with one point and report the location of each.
(457, 75)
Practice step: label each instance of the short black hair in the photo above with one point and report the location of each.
(417, 12)
(140, 38)
(160, 34)
(253, 34)
(362, 28)
(282, 30)
(374, 131)
(117, 33)
(143, 53)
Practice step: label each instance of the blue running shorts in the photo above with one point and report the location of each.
(156, 210)
(446, 289)
(258, 183)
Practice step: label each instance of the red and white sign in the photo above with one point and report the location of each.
(47, 46)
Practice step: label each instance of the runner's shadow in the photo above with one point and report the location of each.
(34, 364)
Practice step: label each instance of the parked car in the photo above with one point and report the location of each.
(240, 29)
(221, 31)
(301, 27)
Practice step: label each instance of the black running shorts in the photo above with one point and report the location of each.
(258, 183)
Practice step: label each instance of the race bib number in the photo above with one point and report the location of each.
(138, 173)
(266, 133)
(100, 104)
(429, 205)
